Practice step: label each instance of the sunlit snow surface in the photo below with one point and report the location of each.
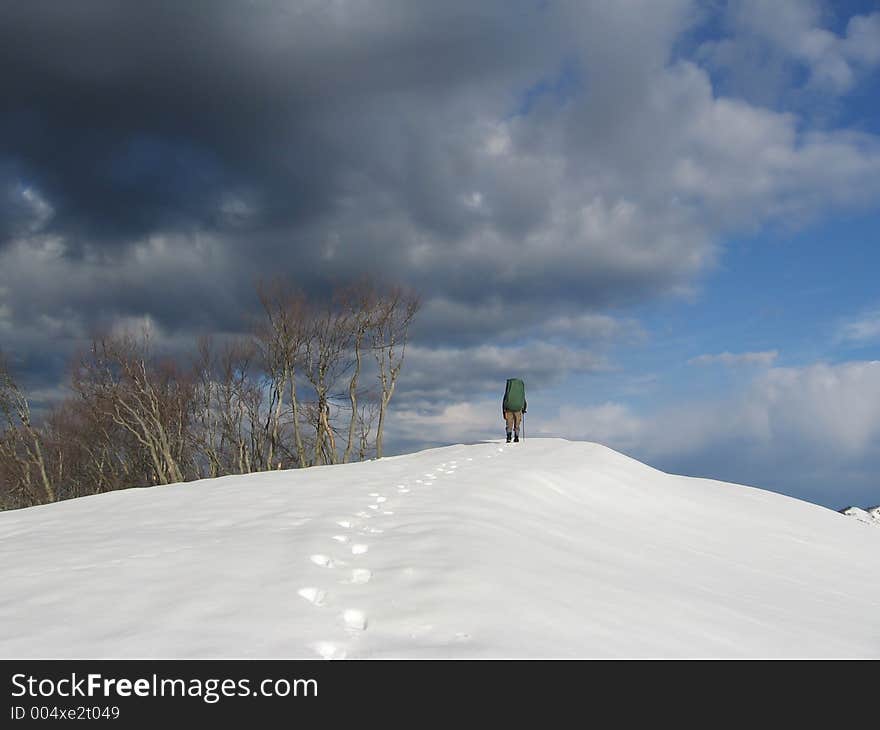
(546, 548)
(870, 516)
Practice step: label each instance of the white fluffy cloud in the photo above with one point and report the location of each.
(793, 31)
(814, 427)
(609, 423)
(830, 410)
(449, 374)
(452, 423)
(820, 411)
(743, 358)
(862, 329)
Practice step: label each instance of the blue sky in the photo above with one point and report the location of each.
(662, 215)
(786, 297)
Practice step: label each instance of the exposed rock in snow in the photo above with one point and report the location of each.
(870, 516)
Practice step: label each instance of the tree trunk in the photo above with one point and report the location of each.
(352, 396)
(50, 492)
(297, 434)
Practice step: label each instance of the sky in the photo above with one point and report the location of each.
(662, 216)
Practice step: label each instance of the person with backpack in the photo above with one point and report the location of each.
(513, 407)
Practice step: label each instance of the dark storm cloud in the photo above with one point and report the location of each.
(479, 369)
(518, 163)
(316, 139)
(174, 153)
(135, 118)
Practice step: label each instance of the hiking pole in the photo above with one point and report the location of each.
(524, 427)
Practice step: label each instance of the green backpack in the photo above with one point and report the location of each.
(514, 395)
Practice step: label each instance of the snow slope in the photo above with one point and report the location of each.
(870, 516)
(547, 548)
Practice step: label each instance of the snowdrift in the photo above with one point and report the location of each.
(547, 548)
(870, 516)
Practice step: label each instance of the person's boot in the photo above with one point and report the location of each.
(516, 438)
(508, 437)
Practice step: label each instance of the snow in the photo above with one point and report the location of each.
(870, 516)
(546, 548)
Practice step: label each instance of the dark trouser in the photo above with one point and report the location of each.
(513, 420)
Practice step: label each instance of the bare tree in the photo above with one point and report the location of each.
(282, 338)
(366, 418)
(22, 444)
(329, 336)
(89, 454)
(395, 313)
(136, 419)
(151, 401)
(360, 301)
(240, 407)
(207, 434)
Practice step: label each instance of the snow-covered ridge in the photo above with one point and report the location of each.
(546, 548)
(870, 516)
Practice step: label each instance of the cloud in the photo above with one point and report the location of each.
(591, 327)
(819, 415)
(23, 210)
(449, 374)
(812, 431)
(533, 169)
(834, 408)
(451, 423)
(608, 423)
(863, 39)
(767, 357)
(788, 35)
(5, 317)
(865, 328)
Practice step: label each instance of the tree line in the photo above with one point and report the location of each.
(310, 384)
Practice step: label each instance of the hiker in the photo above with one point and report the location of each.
(513, 407)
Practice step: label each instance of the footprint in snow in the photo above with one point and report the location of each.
(344, 523)
(381, 499)
(359, 549)
(340, 538)
(374, 506)
(313, 595)
(322, 560)
(361, 575)
(355, 619)
(402, 490)
(328, 650)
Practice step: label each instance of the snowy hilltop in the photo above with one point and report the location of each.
(546, 548)
(870, 516)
